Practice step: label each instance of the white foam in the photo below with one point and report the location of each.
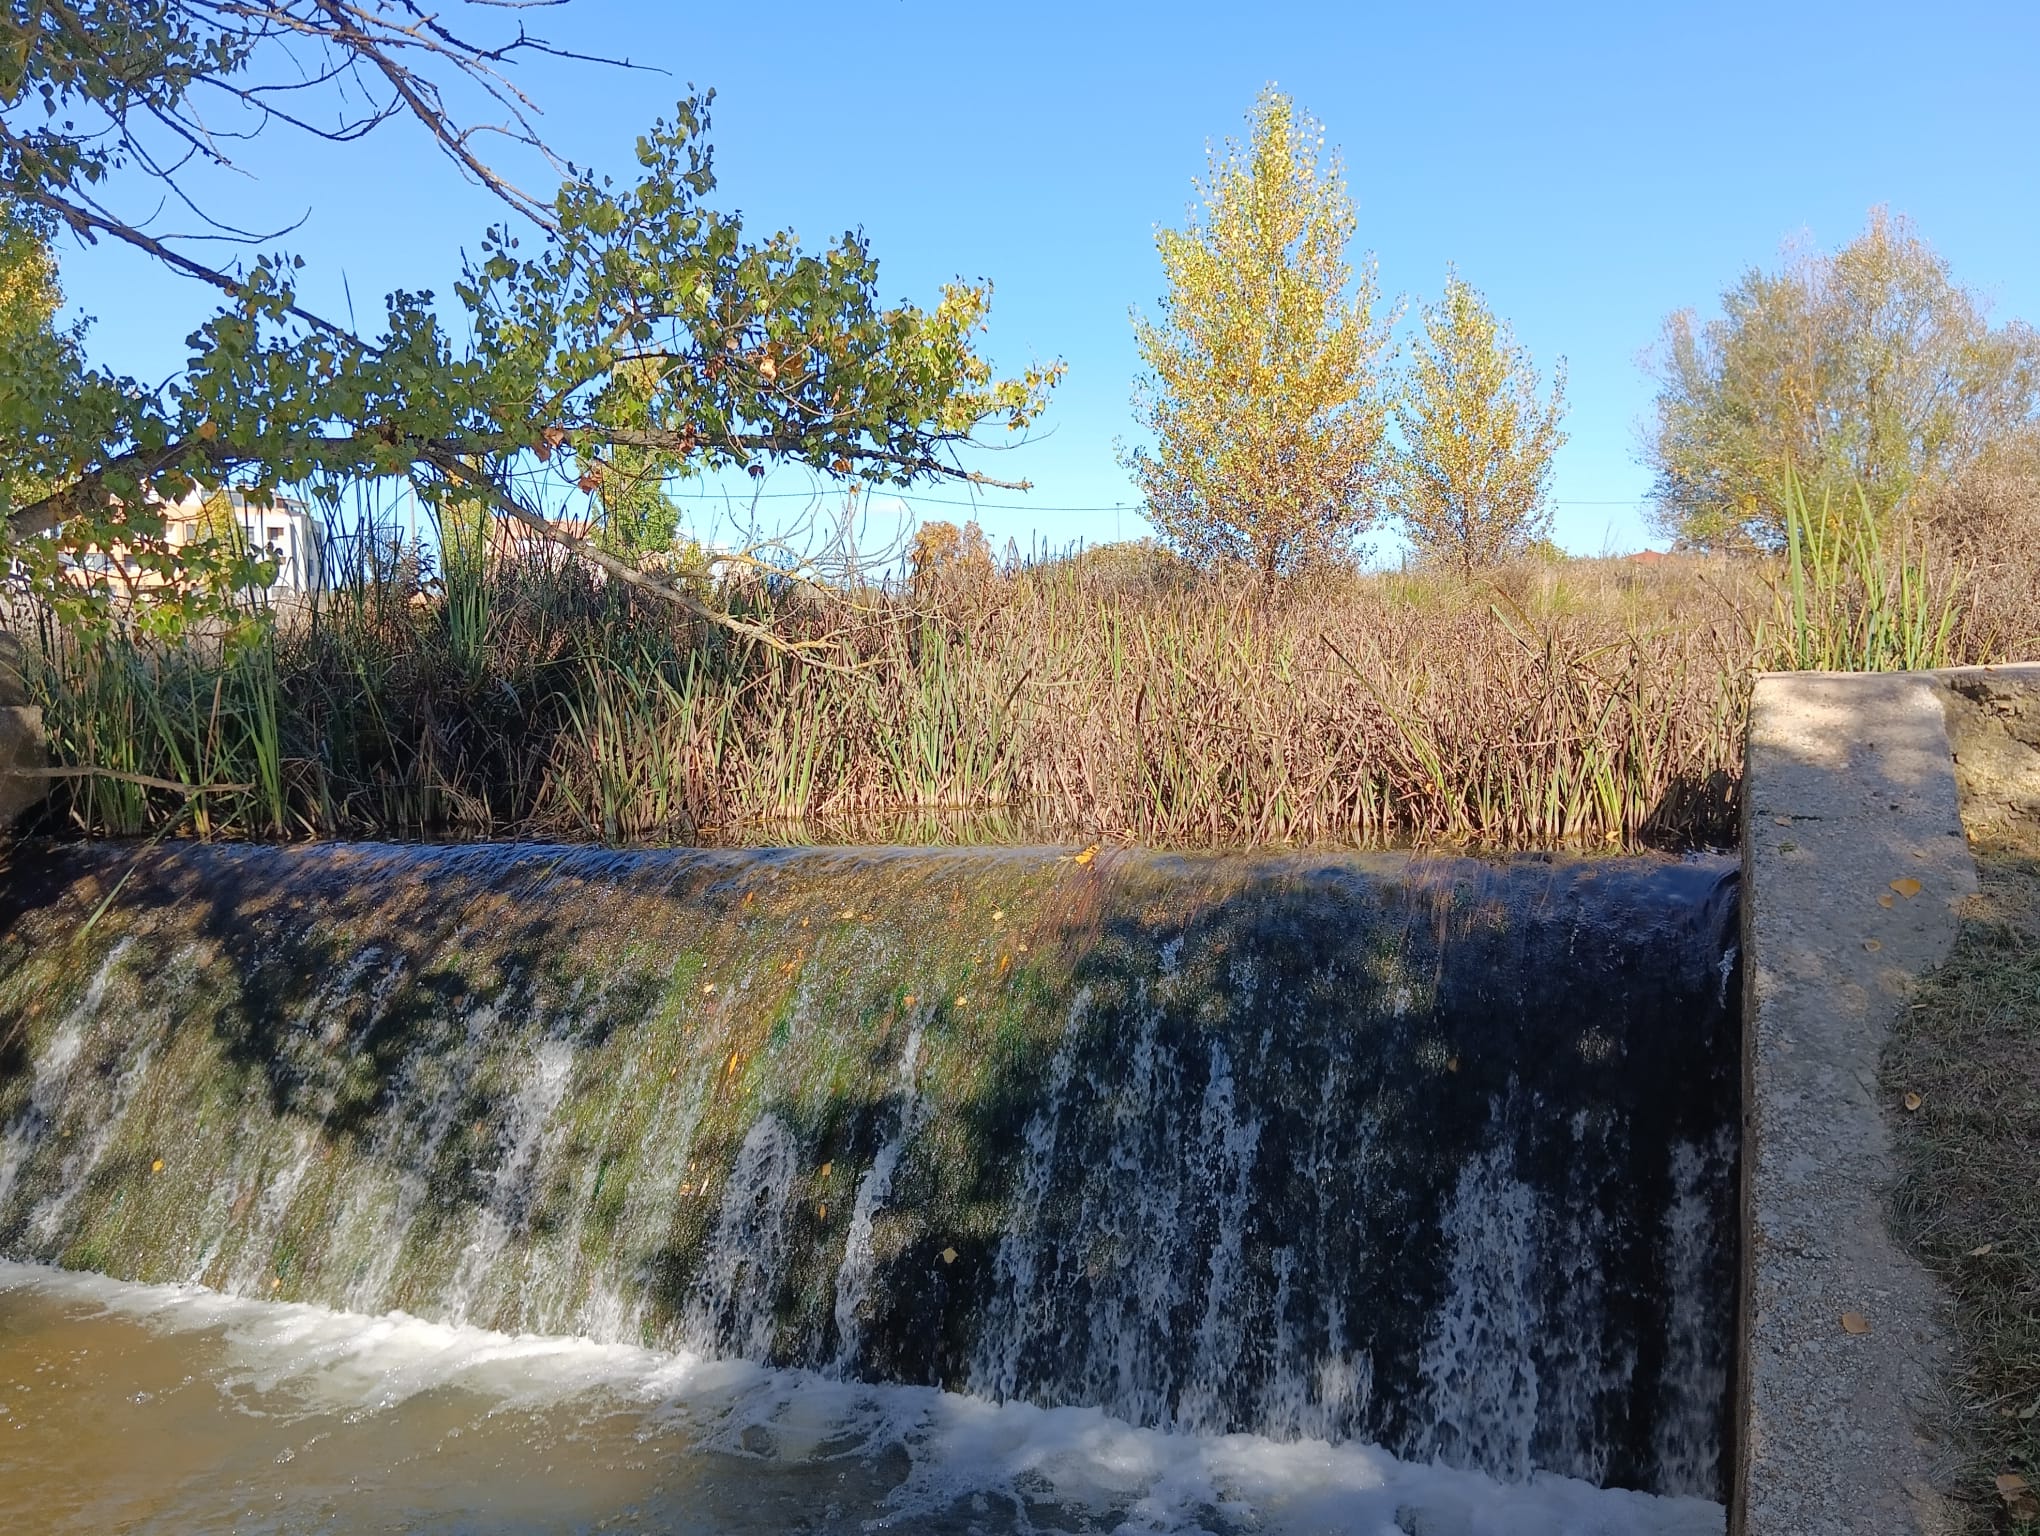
(1048, 1465)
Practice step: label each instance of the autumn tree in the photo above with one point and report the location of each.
(36, 357)
(1262, 382)
(1867, 368)
(944, 555)
(604, 333)
(1469, 478)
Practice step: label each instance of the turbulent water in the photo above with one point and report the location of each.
(165, 1410)
(1227, 1157)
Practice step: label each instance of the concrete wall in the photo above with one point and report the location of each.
(1855, 866)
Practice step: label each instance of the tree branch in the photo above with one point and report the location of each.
(464, 476)
(86, 223)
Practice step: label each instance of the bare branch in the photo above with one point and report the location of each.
(88, 492)
(464, 477)
(403, 59)
(87, 223)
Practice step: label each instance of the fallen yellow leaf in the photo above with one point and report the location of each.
(1086, 856)
(825, 1169)
(276, 1282)
(1884, 901)
(824, 1213)
(998, 915)
(962, 999)
(1782, 821)
(1906, 886)
(1913, 1101)
(1873, 945)
(156, 1166)
(2010, 1483)
(1855, 1322)
(949, 1255)
(907, 1001)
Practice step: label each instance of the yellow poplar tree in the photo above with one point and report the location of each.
(1262, 382)
(32, 348)
(1477, 442)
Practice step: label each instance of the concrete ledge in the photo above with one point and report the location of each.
(1850, 786)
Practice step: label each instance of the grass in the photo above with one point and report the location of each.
(1856, 597)
(1586, 703)
(1541, 706)
(1969, 1199)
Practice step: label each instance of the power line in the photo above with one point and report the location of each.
(923, 501)
(917, 499)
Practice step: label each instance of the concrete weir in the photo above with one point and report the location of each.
(1855, 867)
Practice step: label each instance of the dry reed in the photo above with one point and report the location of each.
(1575, 703)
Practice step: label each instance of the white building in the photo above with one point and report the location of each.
(285, 530)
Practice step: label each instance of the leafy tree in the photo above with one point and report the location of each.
(1867, 368)
(638, 518)
(1470, 479)
(35, 356)
(647, 334)
(42, 365)
(943, 554)
(1262, 386)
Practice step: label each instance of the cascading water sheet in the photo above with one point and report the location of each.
(1435, 1155)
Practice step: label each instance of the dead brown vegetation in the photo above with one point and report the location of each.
(1118, 693)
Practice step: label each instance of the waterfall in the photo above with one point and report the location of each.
(1426, 1153)
(854, 1275)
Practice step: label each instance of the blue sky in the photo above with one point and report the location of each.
(1590, 167)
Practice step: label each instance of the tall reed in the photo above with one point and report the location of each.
(1577, 703)
(1853, 599)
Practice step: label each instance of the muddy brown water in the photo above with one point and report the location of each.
(172, 1409)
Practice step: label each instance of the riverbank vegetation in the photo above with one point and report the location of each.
(1116, 692)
